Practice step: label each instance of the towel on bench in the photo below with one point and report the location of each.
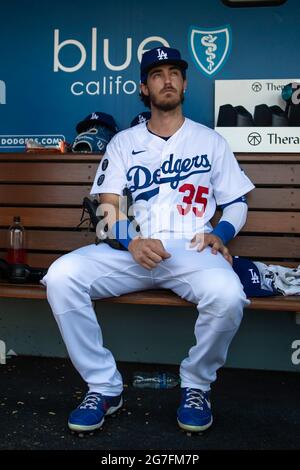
(284, 280)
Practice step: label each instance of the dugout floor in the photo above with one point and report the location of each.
(252, 410)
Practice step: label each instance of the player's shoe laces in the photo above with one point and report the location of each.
(89, 415)
(194, 412)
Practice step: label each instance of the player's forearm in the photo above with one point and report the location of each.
(115, 215)
(233, 219)
(111, 209)
(119, 226)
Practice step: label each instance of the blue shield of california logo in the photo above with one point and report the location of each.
(210, 48)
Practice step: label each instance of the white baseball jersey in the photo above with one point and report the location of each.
(175, 184)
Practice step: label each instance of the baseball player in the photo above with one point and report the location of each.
(177, 172)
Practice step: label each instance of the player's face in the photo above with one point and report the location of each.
(165, 87)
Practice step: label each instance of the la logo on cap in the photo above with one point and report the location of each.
(94, 116)
(142, 119)
(254, 276)
(161, 55)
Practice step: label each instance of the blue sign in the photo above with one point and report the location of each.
(59, 67)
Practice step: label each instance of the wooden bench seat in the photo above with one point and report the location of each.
(151, 297)
(46, 191)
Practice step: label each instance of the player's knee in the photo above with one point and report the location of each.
(233, 301)
(223, 302)
(223, 288)
(232, 295)
(66, 289)
(61, 274)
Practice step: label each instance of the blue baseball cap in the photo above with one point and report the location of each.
(159, 56)
(250, 278)
(141, 117)
(97, 118)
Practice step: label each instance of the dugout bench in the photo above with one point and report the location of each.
(47, 190)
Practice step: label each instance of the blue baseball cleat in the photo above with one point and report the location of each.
(89, 415)
(194, 412)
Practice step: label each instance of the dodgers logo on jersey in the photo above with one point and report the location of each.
(210, 48)
(172, 171)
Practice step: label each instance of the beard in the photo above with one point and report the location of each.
(166, 104)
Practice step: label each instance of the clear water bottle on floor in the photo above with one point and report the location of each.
(155, 380)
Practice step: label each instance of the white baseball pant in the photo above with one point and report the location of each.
(98, 271)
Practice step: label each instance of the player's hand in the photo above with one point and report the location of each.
(148, 252)
(202, 240)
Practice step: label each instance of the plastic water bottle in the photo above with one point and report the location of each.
(16, 253)
(155, 380)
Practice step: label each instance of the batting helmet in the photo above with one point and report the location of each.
(93, 140)
(94, 133)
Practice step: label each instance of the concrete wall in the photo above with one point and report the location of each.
(152, 334)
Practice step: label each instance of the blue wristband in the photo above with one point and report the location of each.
(120, 230)
(225, 231)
